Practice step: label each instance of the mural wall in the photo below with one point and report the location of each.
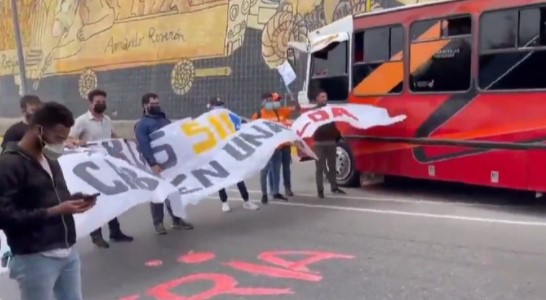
(185, 50)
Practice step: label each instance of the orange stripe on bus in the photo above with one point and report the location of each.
(387, 76)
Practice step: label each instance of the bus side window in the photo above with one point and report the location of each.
(512, 54)
(378, 61)
(443, 63)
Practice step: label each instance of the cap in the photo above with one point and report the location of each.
(276, 97)
(266, 95)
(214, 102)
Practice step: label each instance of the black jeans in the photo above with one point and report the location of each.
(242, 189)
(158, 212)
(326, 154)
(114, 227)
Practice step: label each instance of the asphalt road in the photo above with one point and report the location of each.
(402, 240)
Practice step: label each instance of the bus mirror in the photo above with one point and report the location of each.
(291, 57)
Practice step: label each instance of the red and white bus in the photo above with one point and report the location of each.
(467, 73)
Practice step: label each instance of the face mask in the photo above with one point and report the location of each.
(269, 105)
(276, 105)
(154, 110)
(99, 108)
(52, 151)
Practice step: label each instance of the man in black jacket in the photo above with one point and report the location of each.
(36, 209)
(28, 104)
(326, 138)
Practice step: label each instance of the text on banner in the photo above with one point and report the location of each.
(216, 128)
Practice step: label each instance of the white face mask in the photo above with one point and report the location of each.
(55, 148)
(52, 151)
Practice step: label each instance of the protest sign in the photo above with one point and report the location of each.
(287, 73)
(202, 161)
(357, 115)
(121, 185)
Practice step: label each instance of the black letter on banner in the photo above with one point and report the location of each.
(139, 159)
(275, 127)
(247, 150)
(183, 190)
(81, 170)
(115, 149)
(202, 174)
(171, 155)
(131, 178)
(253, 139)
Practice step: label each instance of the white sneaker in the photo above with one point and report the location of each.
(225, 207)
(250, 206)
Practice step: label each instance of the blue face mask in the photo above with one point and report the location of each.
(272, 105)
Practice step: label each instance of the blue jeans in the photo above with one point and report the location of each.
(273, 171)
(46, 278)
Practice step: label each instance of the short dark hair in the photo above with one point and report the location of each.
(95, 93)
(317, 93)
(29, 100)
(147, 97)
(266, 95)
(51, 114)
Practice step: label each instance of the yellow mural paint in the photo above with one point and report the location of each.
(83, 37)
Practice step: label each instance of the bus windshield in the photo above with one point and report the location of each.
(329, 72)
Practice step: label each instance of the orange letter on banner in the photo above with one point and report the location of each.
(340, 112)
(192, 129)
(219, 127)
(319, 115)
(227, 121)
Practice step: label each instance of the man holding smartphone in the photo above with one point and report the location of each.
(36, 209)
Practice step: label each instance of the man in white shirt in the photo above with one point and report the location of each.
(95, 125)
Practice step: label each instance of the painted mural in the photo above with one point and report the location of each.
(181, 49)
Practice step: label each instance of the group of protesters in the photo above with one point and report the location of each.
(36, 207)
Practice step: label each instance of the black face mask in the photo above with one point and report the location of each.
(99, 108)
(154, 110)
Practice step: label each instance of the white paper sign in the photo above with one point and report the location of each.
(287, 73)
(357, 115)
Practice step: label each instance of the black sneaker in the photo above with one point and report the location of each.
(280, 197)
(121, 237)
(181, 224)
(160, 229)
(338, 191)
(289, 192)
(264, 199)
(100, 243)
(321, 194)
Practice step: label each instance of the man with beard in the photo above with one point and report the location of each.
(152, 120)
(95, 125)
(36, 209)
(28, 104)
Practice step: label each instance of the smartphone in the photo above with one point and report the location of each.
(90, 197)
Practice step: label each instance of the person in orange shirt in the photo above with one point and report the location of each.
(272, 111)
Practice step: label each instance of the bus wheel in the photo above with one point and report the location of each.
(346, 174)
(88, 81)
(182, 77)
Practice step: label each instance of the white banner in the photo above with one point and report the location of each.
(3, 249)
(357, 115)
(204, 155)
(122, 187)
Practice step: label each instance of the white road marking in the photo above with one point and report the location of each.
(405, 213)
(386, 199)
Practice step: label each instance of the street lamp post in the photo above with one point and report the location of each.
(19, 42)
